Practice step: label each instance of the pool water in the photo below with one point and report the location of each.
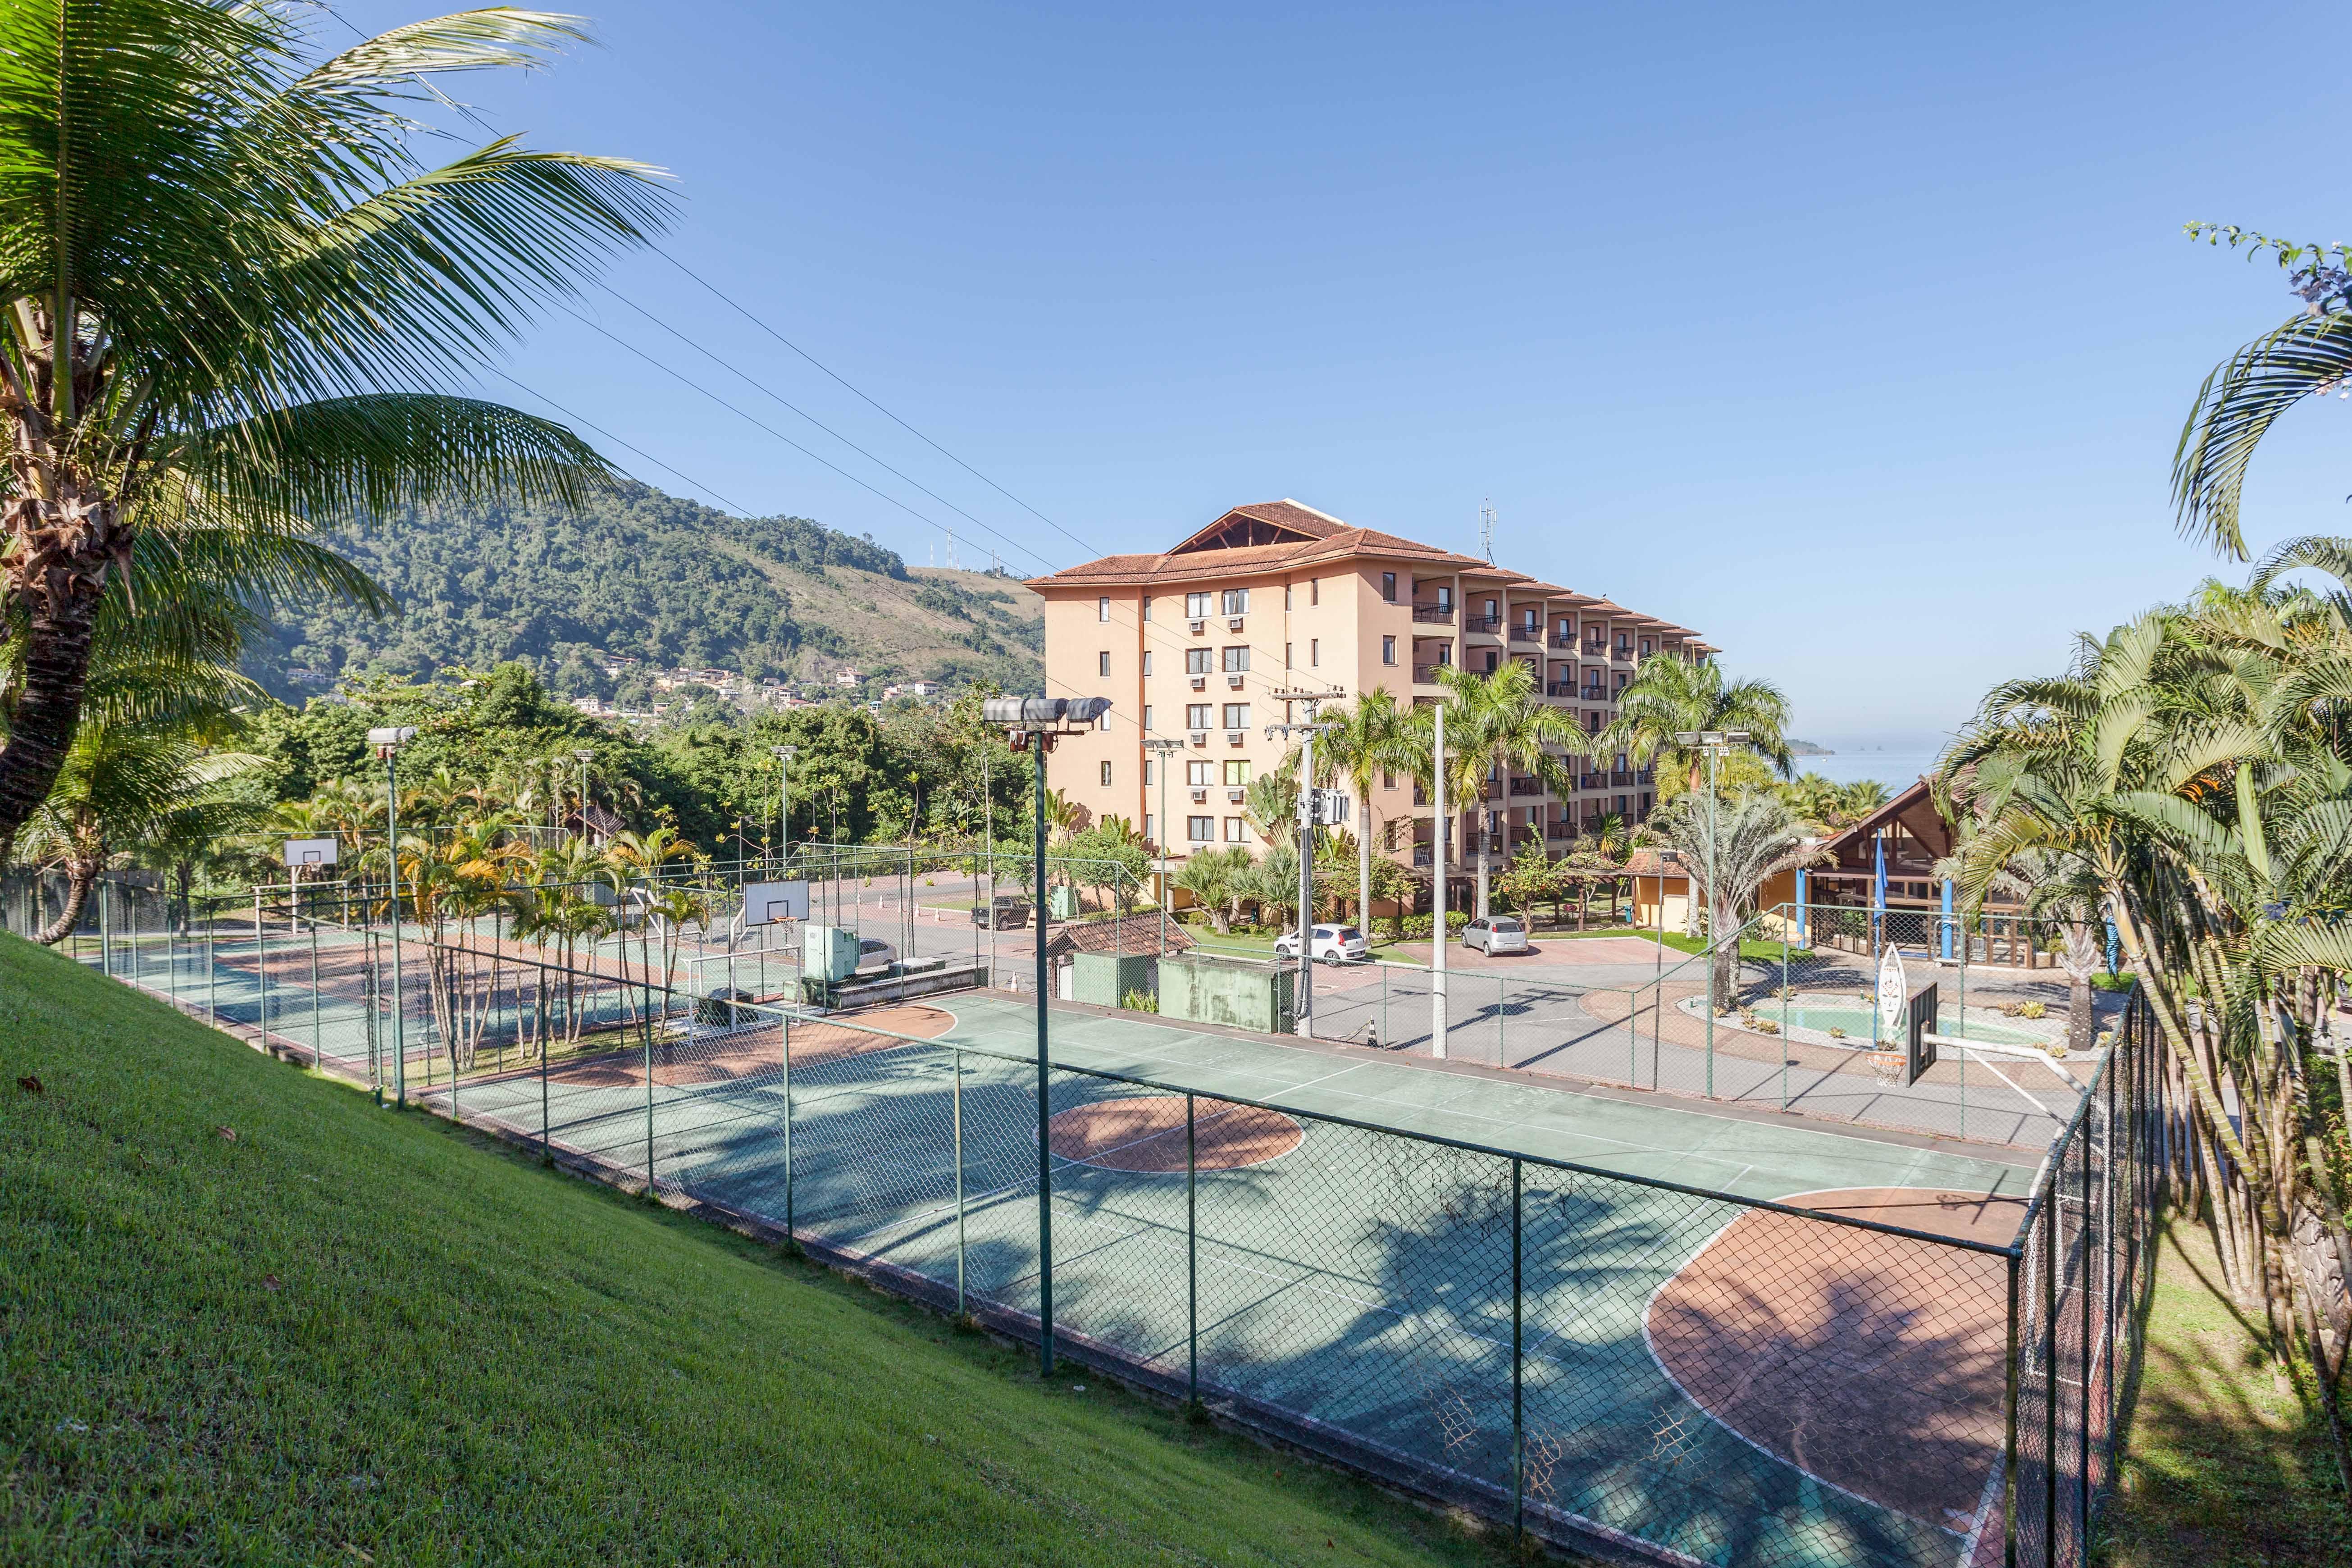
(1855, 1022)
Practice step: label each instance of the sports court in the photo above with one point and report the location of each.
(1734, 1385)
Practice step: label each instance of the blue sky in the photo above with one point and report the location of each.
(1857, 337)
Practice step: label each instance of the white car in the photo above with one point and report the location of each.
(1496, 933)
(872, 954)
(1332, 944)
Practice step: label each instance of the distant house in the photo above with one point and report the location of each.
(925, 688)
(593, 822)
(849, 678)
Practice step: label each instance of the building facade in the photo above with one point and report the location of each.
(1199, 644)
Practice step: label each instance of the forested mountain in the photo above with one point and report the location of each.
(641, 574)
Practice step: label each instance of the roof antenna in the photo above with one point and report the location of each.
(1487, 529)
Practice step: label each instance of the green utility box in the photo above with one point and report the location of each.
(1105, 979)
(1062, 903)
(828, 952)
(1237, 992)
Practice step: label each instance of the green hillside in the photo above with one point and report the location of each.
(640, 575)
(246, 1317)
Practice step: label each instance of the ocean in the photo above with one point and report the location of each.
(1894, 766)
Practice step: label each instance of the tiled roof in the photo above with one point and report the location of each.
(1127, 933)
(1320, 538)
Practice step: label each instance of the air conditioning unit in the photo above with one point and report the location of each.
(1234, 624)
(1200, 797)
(1200, 683)
(1237, 795)
(1236, 737)
(1199, 628)
(1234, 681)
(1200, 737)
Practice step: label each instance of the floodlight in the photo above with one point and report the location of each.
(391, 735)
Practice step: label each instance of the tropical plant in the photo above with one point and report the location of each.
(1671, 696)
(1496, 722)
(1729, 853)
(1367, 738)
(233, 289)
(1213, 878)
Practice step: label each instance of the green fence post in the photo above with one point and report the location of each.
(1192, 1257)
(1518, 1364)
(2050, 1359)
(1784, 1019)
(959, 1180)
(261, 967)
(2008, 1420)
(1502, 1011)
(212, 971)
(315, 1034)
(786, 1026)
(106, 930)
(171, 954)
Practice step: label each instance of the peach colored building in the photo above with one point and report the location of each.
(1193, 644)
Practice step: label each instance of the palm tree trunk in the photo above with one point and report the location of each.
(2079, 1015)
(1484, 841)
(81, 877)
(64, 548)
(1364, 862)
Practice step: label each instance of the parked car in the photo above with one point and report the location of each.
(1007, 912)
(875, 954)
(1332, 944)
(1496, 933)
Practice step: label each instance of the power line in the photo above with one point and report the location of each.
(828, 370)
(749, 379)
(581, 419)
(758, 423)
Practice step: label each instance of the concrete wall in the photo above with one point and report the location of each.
(1242, 995)
(1104, 979)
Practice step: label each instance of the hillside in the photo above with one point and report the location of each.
(249, 1317)
(643, 575)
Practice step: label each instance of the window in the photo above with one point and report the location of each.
(1491, 660)
(1314, 653)
(1236, 830)
(1490, 609)
(1444, 596)
(1150, 774)
(1236, 774)
(1196, 661)
(1648, 646)
(1106, 776)
(1388, 586)
(1102, 609)
(1388, 650)
(1235, 601)
(1388, 834)
(1286, 654)
(1196, 715)
(1147, 608)
(1625, 642)
(1237, 659)
(1315, 590)
(1104, 722)
(1147, 826)
(1147, 668)
(1199, 829)
(1196, 607)
(1147, 725)
(1445, 653)
(1196, 774)
(1236, 715)
(1285, 596)
(1102, 663)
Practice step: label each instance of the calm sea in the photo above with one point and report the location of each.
(1896, 768)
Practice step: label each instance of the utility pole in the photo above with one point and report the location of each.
(784, 755)
(1162, 753)
(1303, 1009)
(387, 743)
(1437, 901)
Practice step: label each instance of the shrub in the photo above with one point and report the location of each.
(1141, 1002)
(2033, 1010)
(1763, 1026)
(1836, 1033)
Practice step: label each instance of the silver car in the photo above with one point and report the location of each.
(874, 955)
(1496, 933)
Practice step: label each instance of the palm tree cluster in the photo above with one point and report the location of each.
(237, 304)
(2191, 775)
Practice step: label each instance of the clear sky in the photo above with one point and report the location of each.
(1857, 337)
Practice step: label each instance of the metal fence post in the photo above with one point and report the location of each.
(2009, 1422)
(1784, 1019)
(316, 1035)
(2050, 1359)
(261, 967)
(958, 1124)
(2083, 1437)
(212, 971)
(1191, 1257)
(786, 1026)
(1502, 1011)
(1518, 1362)
(539, 1021)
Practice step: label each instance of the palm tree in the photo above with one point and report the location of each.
(1496, 722)
(1368, 737)
(1671, 696)
(236, 295)
(1754, 839)
(1213, 878)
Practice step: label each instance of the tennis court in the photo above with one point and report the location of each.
(1733, 1385)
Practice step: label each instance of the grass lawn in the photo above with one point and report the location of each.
(347, 1335)
(2223, 1465)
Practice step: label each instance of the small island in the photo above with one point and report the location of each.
(1807, 749)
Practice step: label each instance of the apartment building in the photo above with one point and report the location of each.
(1197, 644)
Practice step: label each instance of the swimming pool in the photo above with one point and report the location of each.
(1811, 1017)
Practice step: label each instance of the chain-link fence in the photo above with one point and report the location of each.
(1895, 1375)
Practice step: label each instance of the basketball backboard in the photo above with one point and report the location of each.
(305, 852)
(765, 903)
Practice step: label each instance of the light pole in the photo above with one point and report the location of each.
(1714, 743)
(1304, 1011)
(585, 756)
(1437, 899)
(1162, 752)
(387, 743)
(1033, 723)
(784, 755)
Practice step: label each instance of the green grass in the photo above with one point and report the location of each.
(2224, 1467)
(349, 1335)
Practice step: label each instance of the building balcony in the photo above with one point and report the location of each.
(1588, 781)
(1561, 689)
(1435, 615)
(1526, 786)
(1426, 674)
(1595, 649)
(1567, 645)
(1482, 623)
(1423, 855)
(1595, 694)
(1527, 634)
(1563, 828)
(1620, 778)
(1621, 654)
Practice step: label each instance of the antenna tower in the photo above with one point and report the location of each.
(1487, 529)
